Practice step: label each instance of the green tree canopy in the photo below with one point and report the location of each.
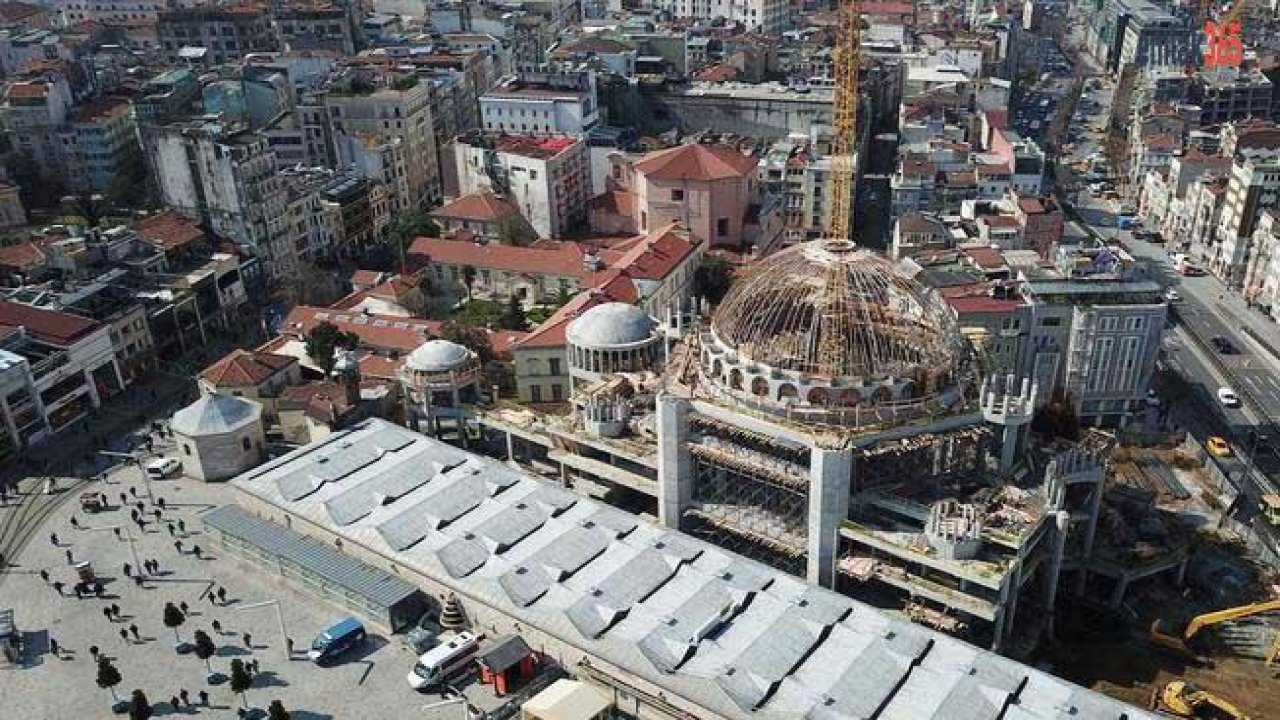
(139, 707)
(513, 317)
(323, 341)
(276, 711)
(108, 676)
(241, 681)
(713, 278)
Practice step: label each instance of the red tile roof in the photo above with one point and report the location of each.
(241, 368)
(56, 328)
(982, 305)
(22, 257)
(26, 90)
(168, 230)
(653, 256)
(616, 202)
(562, 259)
(366, 278)
(381, 332)
(987, 258)
(698, 162)
(550, 333)
(484, 207)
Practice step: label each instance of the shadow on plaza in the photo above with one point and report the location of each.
(233, 651)
(269, 678)
(308, 715)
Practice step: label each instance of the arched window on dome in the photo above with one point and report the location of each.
(787, 390)
(882, 394)
(760, 387)
(735, 379)
(717, 370)
(818, 396)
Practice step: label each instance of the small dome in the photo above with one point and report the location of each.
(438, 356)
(611, 325)
(214, 414)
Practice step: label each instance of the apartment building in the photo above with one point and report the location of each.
(755, 15)
(227, 33)
(99, 141)
(109, 12)
(541, 103)
(547, 179)
(34, 116)
(1252, 186)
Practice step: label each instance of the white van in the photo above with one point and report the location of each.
(161, 468)
(444, 660)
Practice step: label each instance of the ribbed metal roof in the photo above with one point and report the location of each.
(335, 567)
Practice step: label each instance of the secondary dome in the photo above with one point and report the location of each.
(840, 315)
(611, 325)
(215, 414)
(438, 356)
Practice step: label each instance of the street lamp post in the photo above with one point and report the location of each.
(284, 636)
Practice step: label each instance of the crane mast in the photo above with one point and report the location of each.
(848, 56)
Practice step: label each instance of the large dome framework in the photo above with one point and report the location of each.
(830, 325)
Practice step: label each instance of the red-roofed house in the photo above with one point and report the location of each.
(25, 259)
(710, 189)
(256, 375)
(484, 214)
(170, 232)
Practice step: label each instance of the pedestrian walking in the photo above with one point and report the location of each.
(288, 645)
(115, 610)
(133, 492)
(128, 570)
(124, 634)
(102, 497)
(248, 641)
(213, 600)
(53, 538)
(182, 526)
(222, 595)
(186, 697)
(58, 585)
(106, 613)
(141, 506)
(133, 514)
(98, 589)
(171, 529)
(93, 652)
(75, 522)
(133, 630)
(177, 545)
(53, 647)
(77, 590)
(71, 559)
(116, 530)
(44, 575)
(124, 499)
(174, 701)
(156, 514)
(204, 698)
(195, 550)
(183, 607)
(137, 580)
(217, 626)
(160, 502)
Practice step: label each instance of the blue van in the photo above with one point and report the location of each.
(339, 638)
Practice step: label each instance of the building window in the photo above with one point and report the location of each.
(246, 444)
(677, 195)
(535, 393)
(557, 392)
(1050, 322)
(722, 227)
(555, 366)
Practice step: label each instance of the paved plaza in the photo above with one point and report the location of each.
(366, 684)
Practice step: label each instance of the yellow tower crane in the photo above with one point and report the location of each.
(847, 61)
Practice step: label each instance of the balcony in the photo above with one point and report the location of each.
(49, 364)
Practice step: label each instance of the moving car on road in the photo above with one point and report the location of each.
(1218, 446)
(1228, 397)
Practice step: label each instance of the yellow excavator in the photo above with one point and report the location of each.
(1183, 699)
(1180, 643)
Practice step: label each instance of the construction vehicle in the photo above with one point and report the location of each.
(1181, 644)
(1183, 699)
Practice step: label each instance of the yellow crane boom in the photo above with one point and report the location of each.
(847, 61)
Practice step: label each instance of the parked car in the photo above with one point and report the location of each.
(161, 468)
(338, 639)
(1228, 397)
(425, 633)
(1223, 345)
(1218, 446)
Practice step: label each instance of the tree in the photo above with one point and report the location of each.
(1058, 417)
(468, 278)
(173, 619)
(468, 336)
(713, 278)
(324, 339)
(139, 708)
(513, 318)
(276, 711)
(241, 681)
(108, 676)
(205, 648)
(563, 294)
(407, 226)
(513, 230)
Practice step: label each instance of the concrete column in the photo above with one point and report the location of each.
(1062, 523)
(675, 464)
(830, 474)
(10, 426)
(511, 451)
(1095, 509)
(1009, 448)
(93, 389)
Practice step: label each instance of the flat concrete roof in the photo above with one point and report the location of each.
(733, 636)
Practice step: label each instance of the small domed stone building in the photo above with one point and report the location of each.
(219, 436)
